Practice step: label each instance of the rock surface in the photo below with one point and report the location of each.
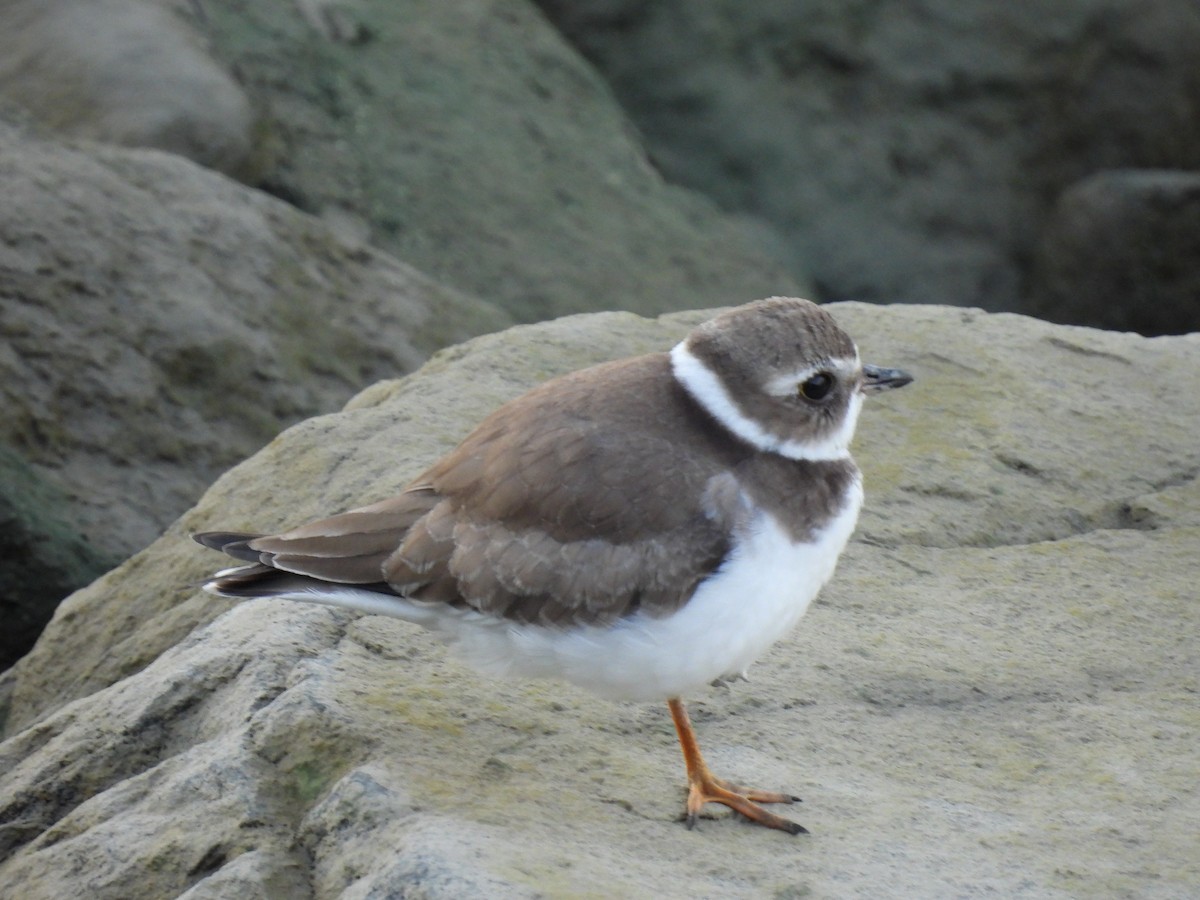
(905, 151)
(162, 322)
(915, 152)
(996, 695)
(1122, 251)
(127, 72)
(44, 556)
(470, 140)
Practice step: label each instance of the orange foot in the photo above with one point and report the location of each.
(704, 787)
(710, 789)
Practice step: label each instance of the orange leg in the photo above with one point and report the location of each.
(705, 787)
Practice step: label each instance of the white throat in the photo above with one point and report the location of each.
(708, 390)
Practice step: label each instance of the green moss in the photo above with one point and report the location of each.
(311, 778)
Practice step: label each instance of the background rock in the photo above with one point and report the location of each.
(882, 153)
(161, 323)
(471, 141)
(468, 139)
(995, 695)
(1122, 251)
(45, 558)
(904, 151)
(129, 72)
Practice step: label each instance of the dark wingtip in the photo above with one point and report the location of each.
(233, 543)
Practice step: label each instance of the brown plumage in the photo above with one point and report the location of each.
(533, 518)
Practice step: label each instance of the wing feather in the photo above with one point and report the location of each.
(539, 516)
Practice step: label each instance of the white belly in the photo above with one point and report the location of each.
(753, 600)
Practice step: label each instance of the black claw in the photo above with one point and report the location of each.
(796, 799)
(690, 821)
(796, 828)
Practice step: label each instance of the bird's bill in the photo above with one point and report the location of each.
(877, 378)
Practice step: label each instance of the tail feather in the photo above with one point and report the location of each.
(261, 577)
(233, 543)
(257, 580)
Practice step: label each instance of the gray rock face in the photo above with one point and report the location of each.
(44, 556)
(1122, 251)
(995, 695)
(161, 322)
(471, 141)
(127, 72)
(905, 151)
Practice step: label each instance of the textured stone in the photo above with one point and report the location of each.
(995, 694)
(128, 72)
(1122, 251)
(471, 141)
(905, 151)
(162, 322)
(45, 558)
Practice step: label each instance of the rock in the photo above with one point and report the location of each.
(472, 142)
(128, 72)
(45, 558)
(994, 695)
(162, 322)
(905, 151)
(1122, 251)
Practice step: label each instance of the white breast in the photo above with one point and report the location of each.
(753, 600)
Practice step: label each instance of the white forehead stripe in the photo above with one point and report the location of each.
(706, 388)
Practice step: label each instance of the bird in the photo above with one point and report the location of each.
(641, 528)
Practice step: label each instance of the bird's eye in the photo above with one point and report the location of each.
(817, 387)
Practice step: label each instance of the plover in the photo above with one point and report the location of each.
(640, 528)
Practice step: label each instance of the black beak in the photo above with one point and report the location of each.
(877, 378)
